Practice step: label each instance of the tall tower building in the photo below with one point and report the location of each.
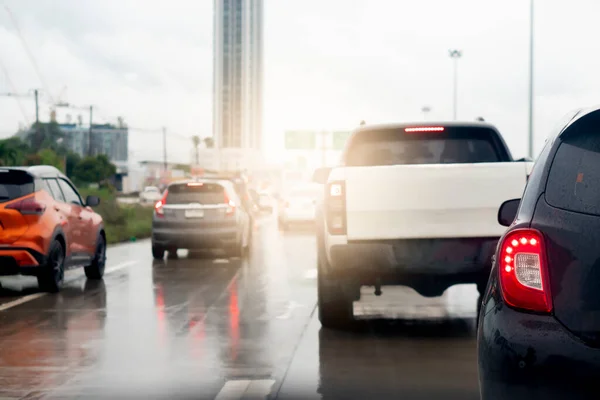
(238, 73)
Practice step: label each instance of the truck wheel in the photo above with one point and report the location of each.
(335, 306)
(96, 269)
(235, 251)
(158, 252)
(52, 275)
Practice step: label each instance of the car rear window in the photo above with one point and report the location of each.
(451, 146)
(15, 184)
(305, 192)
(203, 193)
(573, 179)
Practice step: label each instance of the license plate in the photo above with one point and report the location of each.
(194, 213)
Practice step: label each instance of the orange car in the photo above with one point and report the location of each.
(45, 227)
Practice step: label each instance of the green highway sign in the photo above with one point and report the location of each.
(300, 140)
(339, 139)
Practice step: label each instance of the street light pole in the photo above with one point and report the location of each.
(455, 55)
(90, 133)
(530, 137)
(164, 132)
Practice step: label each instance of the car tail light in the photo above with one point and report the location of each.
(230, 205)
(524, 271)
(158, 207)
(424, 129)
(28, 206)
(335, 203)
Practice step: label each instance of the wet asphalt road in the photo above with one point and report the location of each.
(201, 327)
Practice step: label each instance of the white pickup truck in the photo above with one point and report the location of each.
(412, 205)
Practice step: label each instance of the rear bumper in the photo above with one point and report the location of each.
(414, 262)
(527, 356)
(205, 238)
(19, 261)
(292, 215)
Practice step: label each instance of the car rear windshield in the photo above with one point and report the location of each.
(14, 184)
(574, 175)
(204, 193)
(305, 192)
(452, 146)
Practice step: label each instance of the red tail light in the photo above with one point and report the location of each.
(158, 207)
(524, 271)
(335, 202)
(28, 206)
(230, 205)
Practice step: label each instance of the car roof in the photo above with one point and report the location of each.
(221, 182)
(447, 124)
(572, 117)
(39, 171)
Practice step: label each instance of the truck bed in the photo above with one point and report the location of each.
(429, 201)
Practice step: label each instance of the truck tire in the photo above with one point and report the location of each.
(335, 306)
(158, 252)
(236, 251)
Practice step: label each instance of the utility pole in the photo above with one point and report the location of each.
(455, 55)
(37, 107)
(164, 131)
(90, 133)
(530, 138)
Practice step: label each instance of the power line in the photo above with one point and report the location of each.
(159, 130)
(29, 53)
(14, 90)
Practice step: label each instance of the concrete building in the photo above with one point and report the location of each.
(238, 74)
(106, 139)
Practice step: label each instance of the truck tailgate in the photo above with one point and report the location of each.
(430, 201)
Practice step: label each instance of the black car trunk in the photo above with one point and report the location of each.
(568, 215)
(573, 253)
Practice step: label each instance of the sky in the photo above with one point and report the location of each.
(328, 65)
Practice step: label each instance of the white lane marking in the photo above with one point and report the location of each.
(246, 389)
(22, 300)
(289, 309)
(311, 274)
(259, 389)
(120, 266)
(34, 296)
(233, 390)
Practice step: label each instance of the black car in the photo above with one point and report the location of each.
(539, 323)
(200, 215)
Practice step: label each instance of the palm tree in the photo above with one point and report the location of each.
(209, 142)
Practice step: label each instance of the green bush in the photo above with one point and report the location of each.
(121, 222)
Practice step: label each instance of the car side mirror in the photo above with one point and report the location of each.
(508, 212)
(321, 175)
(92, 201)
